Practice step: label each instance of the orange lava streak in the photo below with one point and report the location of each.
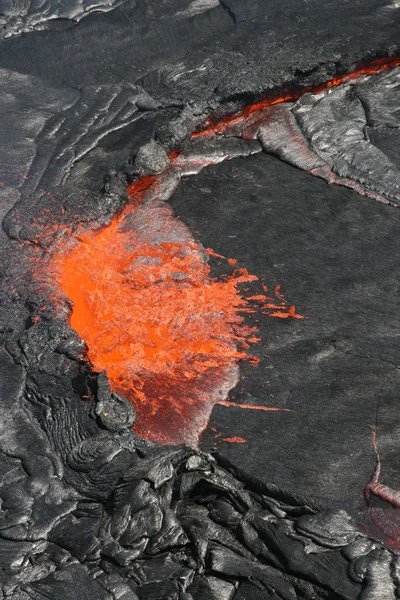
(212, 126)
(231, 261)
(252, 406)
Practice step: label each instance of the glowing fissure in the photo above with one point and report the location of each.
(168, 334)
(251, 114)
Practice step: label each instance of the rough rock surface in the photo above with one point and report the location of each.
(30, 15)
(88, 509)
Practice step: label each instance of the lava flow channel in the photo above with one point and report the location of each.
(246, 120)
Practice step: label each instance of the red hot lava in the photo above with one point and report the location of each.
(251, 113)
(168, 335)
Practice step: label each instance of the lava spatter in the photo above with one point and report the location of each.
(153, 318)
(167, 333)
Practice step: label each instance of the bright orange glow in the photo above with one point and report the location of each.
(234, 440)
(168, 335)
(153, 319)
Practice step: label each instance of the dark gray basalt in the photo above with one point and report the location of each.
(94, 94)
(29, 15)
(334, 254)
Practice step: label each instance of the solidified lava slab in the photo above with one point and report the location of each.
(333, 370)
(227, 49)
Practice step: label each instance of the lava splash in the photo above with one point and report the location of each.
(168, 335)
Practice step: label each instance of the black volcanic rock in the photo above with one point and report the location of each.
(94, 93)
(190, 50)
(334, 254)
(338, 123)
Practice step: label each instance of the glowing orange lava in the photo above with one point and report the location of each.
(228, 403)
(166, 333)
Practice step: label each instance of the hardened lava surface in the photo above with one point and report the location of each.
(345, 282)
(141, 143)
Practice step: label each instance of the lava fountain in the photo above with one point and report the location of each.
(168, 334)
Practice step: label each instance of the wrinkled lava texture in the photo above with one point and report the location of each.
(172, 175)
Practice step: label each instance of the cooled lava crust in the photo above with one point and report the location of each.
(199, 360)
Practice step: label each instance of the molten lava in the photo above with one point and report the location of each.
(153, 318)
(251, 113)
(155, 321)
